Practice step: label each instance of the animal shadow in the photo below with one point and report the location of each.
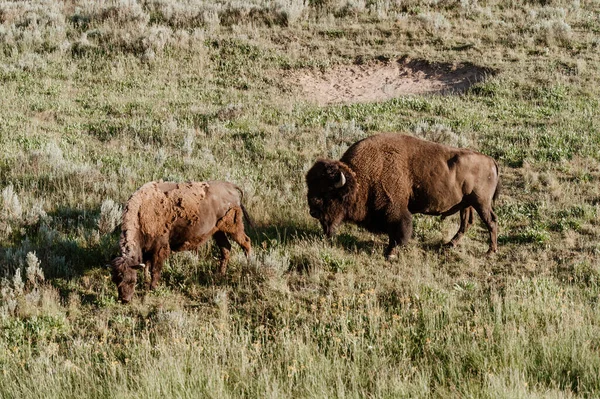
(436, 246)
(280, 233)
(353, 244)
(61, 253)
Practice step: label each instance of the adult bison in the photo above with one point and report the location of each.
(382, 180)
(163, 217)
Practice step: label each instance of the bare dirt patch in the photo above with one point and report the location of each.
(381, 80)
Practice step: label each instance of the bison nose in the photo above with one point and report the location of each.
(314, 213)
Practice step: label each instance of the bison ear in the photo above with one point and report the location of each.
(341, 180)
(138, 267)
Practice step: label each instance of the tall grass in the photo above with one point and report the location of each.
(97, 98)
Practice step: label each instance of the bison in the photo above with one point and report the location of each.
(164, 217)
(381, 181)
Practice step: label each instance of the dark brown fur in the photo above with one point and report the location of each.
(389, 177)
(164, 217)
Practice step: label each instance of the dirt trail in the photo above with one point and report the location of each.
(383, 80)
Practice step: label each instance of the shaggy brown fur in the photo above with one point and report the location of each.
(162, 217)
(384, 179)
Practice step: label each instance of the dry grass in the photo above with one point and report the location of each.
(97, 98)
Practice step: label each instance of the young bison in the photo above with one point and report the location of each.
(384, 179)
(164, 217)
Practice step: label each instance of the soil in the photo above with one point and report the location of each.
(381, 80)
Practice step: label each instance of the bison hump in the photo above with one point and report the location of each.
(187, 200)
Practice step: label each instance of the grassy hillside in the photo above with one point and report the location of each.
(97, 98)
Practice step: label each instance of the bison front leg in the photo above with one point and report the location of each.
(225, 247)
(147, 277)
(466, 220)
(400, 232)
(158, 259)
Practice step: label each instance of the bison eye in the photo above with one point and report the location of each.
(315, 202)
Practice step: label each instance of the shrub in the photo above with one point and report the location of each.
(110, 216)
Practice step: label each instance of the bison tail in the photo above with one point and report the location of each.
(498, 184)
(244, 211)
(247, 216)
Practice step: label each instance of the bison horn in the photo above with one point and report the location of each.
(341, 181)
(138, 267)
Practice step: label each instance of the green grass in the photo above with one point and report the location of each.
(96, 100)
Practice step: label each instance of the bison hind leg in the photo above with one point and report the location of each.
(239, 234)
(466, 221)
(491, 222)
(243, 241)
(233, 224)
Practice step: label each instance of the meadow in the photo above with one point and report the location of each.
(99, 97)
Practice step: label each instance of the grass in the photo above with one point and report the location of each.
(98, 98)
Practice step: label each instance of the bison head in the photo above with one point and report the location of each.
(330, 184)
(125, 277)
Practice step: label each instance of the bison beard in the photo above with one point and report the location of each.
(381, 181)
(163, 217)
